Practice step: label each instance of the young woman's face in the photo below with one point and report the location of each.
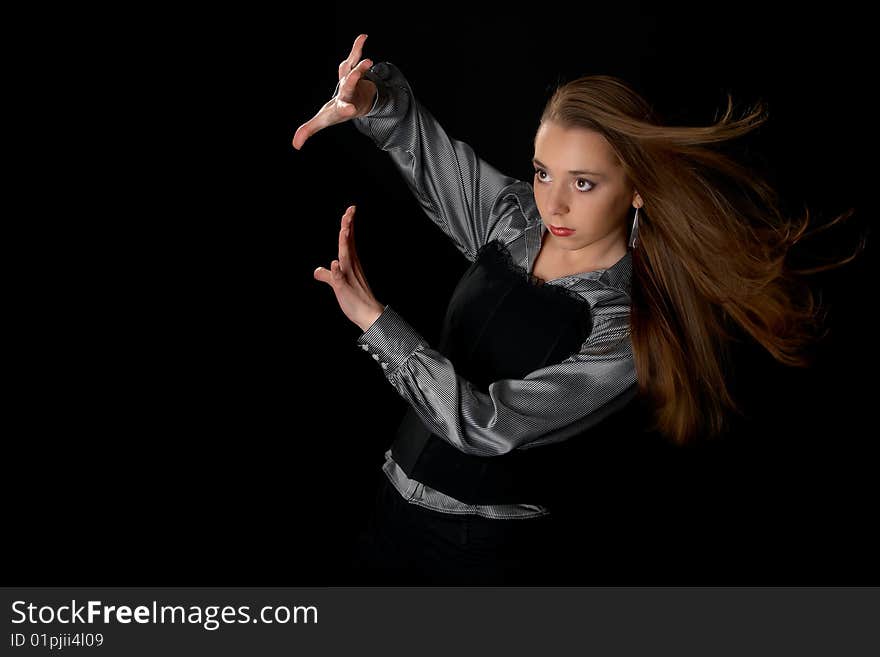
(593, 202)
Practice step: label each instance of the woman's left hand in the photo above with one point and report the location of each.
(347, 279)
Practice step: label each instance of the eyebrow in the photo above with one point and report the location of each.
(589, 173)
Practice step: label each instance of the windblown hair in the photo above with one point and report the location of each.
(710, 258)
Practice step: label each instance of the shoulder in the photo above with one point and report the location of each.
(520, 196)
(510, 216)
(515, 214)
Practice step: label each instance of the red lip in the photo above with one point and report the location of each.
(557, 230)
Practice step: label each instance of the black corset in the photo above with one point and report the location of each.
(503, 323)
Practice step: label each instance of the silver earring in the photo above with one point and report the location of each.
(634, 231)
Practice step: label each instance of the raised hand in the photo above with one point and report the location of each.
(355, 97)
(346, 278)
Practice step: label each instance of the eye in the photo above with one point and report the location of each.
(539, 171)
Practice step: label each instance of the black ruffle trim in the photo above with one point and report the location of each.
(497, 252)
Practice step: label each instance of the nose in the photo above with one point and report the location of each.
(557, 201)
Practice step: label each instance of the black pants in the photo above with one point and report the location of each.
(405, 543)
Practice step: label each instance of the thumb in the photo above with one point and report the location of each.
(300, 136)
(322, 274)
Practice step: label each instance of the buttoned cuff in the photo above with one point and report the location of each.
(390, 340)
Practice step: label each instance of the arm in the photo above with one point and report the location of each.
(458, 191)
(549, 405)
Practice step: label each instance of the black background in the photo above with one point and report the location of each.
(190, 406)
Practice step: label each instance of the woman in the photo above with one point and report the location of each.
(587, 315)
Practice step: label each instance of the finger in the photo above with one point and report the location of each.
(306, 130)
(318, 122)
(346, 89)
(322, 274)
(348, 256)
(336, 271)
(352, 261)
(331, 276)
(302, 133)
(349, 235)
(344, 237)
(349, 62)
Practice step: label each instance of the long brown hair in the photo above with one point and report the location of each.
(710, 259)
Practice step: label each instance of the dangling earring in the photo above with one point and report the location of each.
(634, 231)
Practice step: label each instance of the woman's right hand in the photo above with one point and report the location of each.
(355, 96)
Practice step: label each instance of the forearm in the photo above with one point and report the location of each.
(457, 189)
(546, 406)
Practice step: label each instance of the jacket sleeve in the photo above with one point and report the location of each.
(549, 405)
(462, 194)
